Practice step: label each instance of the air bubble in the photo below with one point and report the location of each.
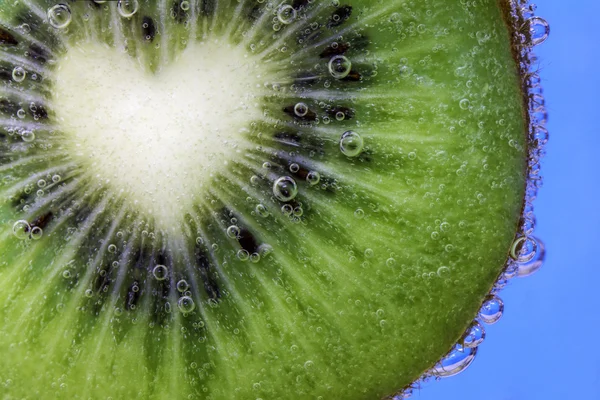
(455, 362)
(19, 74)
(88, 293)
(186, 304)
(286, 14)
(530, 267)
(160, 272)
(127, 8)
(66, 274)
(262, 210)
(182, 286)
(243, 255)
(59, 16)
(294, 168)
(185, 5)
(287, 209)
(539, 30)
(255, 257)
(28, 136)
(339, 67)
(464, 104)
(359, 213)
(351, 144)
(524, 249)
(36, 233)
(233, 231)
(474, 335)
(112, 248)
(300, 109)
(41, 183)
(491, 310)
(21, 113)
(285, 188)
(443, 272)
(340, 116)
(313, 178)
(21, 229)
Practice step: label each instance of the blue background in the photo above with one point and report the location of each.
(547, 344)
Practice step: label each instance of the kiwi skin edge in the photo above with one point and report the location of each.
(517, 54)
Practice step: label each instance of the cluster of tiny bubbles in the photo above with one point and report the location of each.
(182, 286)
(59, 16)
(455, 362)
(21, 229)
(19, 74)
(491, 310)
(186, 304)
(160, 272)
(286, 14)
(233, 231)
(313, 178)
(127, 8)
(285, 188)
(300, 109)
(339, 66)
(351, 144)
(28, 136)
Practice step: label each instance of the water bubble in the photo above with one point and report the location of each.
(287, 209)
(41, 183)
(443, 272)
(182, 286)
(28, 136)
(255, 257)
(112, 248)
(340, 116)
(262, 210)
(524, 249)
(265, 249)
(127, 8)
(455, 362)
(528, 268)
(19, 74)
(59, 16)
(88, 293)
(233, 231)
(294, 168)
(286, 14)
(21, 229)
(351, 144)
(243, 255)
(36, 233)
(185, 5)
(285, 188)
(300, 109)
(539, 30)
(491, 310)
(160, 272)
(21, 113)
(339, 67)
(464, 104)
(313, 178)
(66, 274)
(359, 213)
(474, 335)
(186, 304)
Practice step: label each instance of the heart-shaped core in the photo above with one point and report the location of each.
(156, 138)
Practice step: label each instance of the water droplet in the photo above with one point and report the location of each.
(186, 304)
(233, 231)
(19, 74)
(28, 136)
(339, 67)
(182, 286)
(160, 272)
(313, 178)
(530, 267)
(539, 30)
(286, 14)
(36, 233)
(301, 109)
(21, 229)
(474, 335)
(59, 16)
(491, 310)
(285, 188)
(455, 362)
(127, 8)
(351, 144)
(524, 249)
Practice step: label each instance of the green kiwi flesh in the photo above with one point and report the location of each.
(348, 281)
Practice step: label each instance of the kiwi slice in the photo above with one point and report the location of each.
(252, 199)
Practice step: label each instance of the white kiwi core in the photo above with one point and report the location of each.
(156, 138)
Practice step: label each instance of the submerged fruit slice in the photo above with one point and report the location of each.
(250, 199)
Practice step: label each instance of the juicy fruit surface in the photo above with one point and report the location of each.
(316, 263)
